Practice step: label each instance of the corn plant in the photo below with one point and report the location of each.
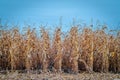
(57, 48)
(101, 51)
(45, 49)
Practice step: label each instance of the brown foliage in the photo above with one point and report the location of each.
(96, 50)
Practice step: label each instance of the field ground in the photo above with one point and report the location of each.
(59, 76)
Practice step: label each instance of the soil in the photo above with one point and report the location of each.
(58, 76)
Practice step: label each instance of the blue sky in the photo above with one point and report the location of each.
(49, 12)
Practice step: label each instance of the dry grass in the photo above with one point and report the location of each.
(78, 50)
(59, 76)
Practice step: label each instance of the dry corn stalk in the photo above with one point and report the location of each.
(45, 49)
(57, 46)
(117, 50)
(87, 47)
(74, 54)
(5, 45)
(28, 51)
(101, 51)
(15, 49)
(66, 65)
(112, 54)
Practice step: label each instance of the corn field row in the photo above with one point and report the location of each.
(78, 50)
